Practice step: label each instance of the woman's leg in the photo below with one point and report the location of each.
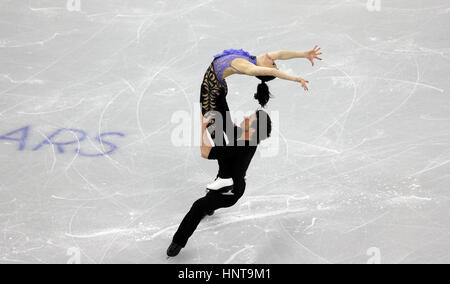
(213, 102)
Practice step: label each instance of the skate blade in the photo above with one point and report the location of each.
(226, 188)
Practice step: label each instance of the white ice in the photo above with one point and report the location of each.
(363, 169)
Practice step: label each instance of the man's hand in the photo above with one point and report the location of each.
(303, 82)
(206, 146)
(313, 54)
(206, 120)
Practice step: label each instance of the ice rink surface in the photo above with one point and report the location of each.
(89, 98)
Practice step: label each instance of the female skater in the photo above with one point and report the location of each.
(214, 91)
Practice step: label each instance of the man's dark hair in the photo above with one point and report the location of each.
(262, 125)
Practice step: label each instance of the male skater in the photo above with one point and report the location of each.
(236, 159)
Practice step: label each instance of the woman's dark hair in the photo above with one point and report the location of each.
(263, 94)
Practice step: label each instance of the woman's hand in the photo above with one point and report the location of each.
(303, 82)
(313, 54)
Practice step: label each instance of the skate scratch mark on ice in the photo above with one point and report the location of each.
(117, 235)
(14, 106)
(426, 244)
(46, 9)
(424, 50)
(367, 223)
(371, 164)
(321, 258)
(377, 51)
(365, 140)
(74, 158)
(30, 82)
(352, 105)
(187, 11)
(392, 80)
(113, 162)
(405, 199)
(306, 170)
(430, 118)
(108, 249)
(285, 142)
(41, 42)
(102, 114)
(8, 202)
(4, 92)
(313, 223)
(430, 169)
(232, 257)
(278, 196)
(232, 218)
(346, 112)
(418, 10)
(53, 111)
(53, 150)
(174, 227)
(146, 85)
(416, 84)
(70, 230)
(188, 101)
(174, 14)
(21, 26)
(86, 199)
(119, 204)
(90, 79)
(99, 234)
(316, 146)
(335, 176)
(98, 75)
(141, 30)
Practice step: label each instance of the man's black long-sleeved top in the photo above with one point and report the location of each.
(237, 158)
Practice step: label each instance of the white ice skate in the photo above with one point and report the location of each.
(221, 184)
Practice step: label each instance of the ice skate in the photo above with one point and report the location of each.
(174, 249)
(221, 185)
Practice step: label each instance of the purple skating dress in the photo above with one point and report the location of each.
(214, 91)
(223, 60)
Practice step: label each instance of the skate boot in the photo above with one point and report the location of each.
(174, 249)
(220, 184)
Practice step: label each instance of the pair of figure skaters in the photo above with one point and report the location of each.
(235, 156)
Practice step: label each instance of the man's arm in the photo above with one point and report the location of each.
(214, 153)
(206, 144)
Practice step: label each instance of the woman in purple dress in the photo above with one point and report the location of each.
(214, 89)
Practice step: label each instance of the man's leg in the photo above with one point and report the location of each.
(225, 168)
(211, 202)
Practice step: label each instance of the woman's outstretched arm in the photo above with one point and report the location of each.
(254, 70)
(287, 54)
(290, 54)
